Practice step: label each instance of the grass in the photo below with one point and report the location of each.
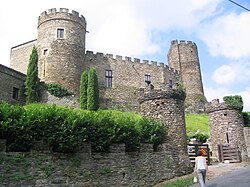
(197, 121)
(183, 181)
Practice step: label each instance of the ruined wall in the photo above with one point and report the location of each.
(12, 85)
(20, 55)
(183, 56)
(226, 127)
(88, 169)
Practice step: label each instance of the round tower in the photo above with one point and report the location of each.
(61, 47)
(183, 56)
(226, 127)
(168, 107)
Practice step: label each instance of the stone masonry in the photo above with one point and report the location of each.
(62, 59)
(226, 127)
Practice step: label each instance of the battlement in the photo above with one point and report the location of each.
(215, 105)
(62, 13)
(92, 55)
(182, 42)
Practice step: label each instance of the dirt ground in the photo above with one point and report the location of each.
(219, 169)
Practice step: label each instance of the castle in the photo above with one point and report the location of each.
(62, 59)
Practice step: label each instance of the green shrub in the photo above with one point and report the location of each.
(65, 129)
(92, 90)
(200, 137)
(57, 90)
(234, 102)
(83, 90)
(246, 118)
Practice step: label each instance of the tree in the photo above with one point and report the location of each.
(83, 90)
(32, 80)
(92, 90)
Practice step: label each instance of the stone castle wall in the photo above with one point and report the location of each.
(20, 55)
(226, 127)
(12, 81)
(183, 56)
(88, 169)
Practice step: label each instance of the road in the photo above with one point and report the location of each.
(237, 178)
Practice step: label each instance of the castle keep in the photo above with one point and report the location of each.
(62, 58)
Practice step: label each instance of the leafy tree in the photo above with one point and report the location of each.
(32, 81)
(83, 90)
(92, 90)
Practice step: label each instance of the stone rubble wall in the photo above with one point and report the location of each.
(226, 127)
(88, 169)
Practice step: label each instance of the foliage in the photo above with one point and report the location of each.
(181, 182)
(246, 118)
(32, 81)
(57, 90)
(181, 89)
(197, 126)
(234, 102)
(65, 129)
(83, 90)
(92, 90)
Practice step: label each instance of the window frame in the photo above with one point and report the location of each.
(109, 78)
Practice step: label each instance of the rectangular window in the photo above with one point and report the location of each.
(60, 33)
(109, 78)
(147, 79)
(15, 93)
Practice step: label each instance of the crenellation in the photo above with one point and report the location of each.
(145, 61)
(118, 57)
(154, 63)
(99, 54)
(128, 58)
(110, 56)
(137, 60)
(161, 64)
(75, 13)
(64, 10)
(52, 10)
(89, 52)
(182, 41)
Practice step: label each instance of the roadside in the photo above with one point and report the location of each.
(214, 170)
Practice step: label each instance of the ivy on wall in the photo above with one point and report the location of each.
(57, 90)
(234, 102)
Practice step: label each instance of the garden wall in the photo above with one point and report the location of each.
(86, 168)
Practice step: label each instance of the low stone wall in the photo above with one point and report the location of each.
(86, 168)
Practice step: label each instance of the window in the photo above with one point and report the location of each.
(147, 79)
(45, 51)
(60, 33)
(170, 83)
(15, 93)
(109, 78)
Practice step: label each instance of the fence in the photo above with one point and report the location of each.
(192, 151)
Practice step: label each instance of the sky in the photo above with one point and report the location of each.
(144, 29)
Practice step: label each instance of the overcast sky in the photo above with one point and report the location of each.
(144, 29)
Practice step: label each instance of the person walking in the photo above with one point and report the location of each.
(201, 168)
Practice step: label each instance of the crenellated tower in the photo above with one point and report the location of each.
(61, 47)
(183, 56)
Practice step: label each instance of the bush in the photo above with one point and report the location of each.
(246, 118)
(234, 102)
(65, 129)
(200, 137)
(57, 90)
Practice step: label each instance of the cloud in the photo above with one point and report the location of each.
(227, 35)
(232, 73)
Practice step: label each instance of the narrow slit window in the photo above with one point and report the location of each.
(15, 93)
(60, 33)
(45, 51)
(109, 77)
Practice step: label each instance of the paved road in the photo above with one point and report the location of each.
(237, 178)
